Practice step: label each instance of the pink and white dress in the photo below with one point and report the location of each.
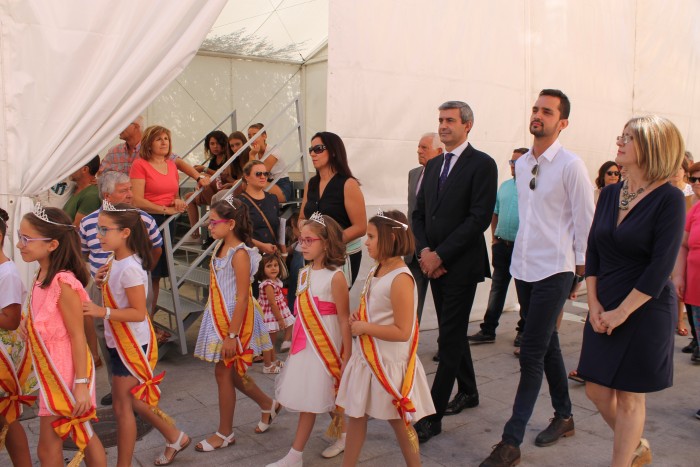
(270, 320)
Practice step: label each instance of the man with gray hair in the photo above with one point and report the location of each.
(120, 157)
(114, 187)
(453, 209)
(429, 147)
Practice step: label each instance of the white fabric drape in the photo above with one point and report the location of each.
(74, 73)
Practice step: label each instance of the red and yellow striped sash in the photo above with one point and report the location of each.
(58, 397)
(139, 363)
(217, 306)
(12, 382)
(401, 400)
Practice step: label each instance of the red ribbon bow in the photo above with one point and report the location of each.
(66, 426)
(147, 390)
(404, 405)
(242, 361)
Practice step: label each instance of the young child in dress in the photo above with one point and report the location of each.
(321, 341)
(129, 334)
(274, 306)
(231, 329)
(384, 366)
(56, 336)
(15, 361)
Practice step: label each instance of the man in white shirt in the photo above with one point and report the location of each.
(555, 206)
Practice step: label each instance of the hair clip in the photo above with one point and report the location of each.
(107, 206)
(41, 214)
(230, 199)
(401, 225)
(318, 217)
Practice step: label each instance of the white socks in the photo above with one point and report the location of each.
(294, 455)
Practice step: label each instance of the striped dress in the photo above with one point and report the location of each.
(208, 343)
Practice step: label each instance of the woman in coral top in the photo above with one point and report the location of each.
(155, 186)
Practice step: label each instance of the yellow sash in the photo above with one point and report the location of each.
(139, 363)
(401, 400)
(58, 397)
(217, 306)
(321, 342)
(12, 385)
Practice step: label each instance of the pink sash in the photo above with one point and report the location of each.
(298, 334)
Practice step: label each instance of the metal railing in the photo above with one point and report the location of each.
(179, 318)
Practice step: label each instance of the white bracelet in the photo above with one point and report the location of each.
(81, 381)
(107, 313)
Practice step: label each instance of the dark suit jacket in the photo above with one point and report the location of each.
(413, 177)
(452, 222)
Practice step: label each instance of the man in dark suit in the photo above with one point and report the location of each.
(453, 209)
(429, 147)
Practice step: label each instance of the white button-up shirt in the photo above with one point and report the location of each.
(555, 217)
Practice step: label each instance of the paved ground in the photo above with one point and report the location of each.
(190, 397)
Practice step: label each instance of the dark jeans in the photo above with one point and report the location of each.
(689, 311)
(295, 265)
(453, 298)
(161, 269)
(421, 284)
(540, 303)
(501, 254)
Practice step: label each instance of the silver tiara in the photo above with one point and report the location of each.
(107, 206)
(318, 217)
(41, 214)
(400, 225)
(230, 199)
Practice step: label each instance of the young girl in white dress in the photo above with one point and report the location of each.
(321, 342)
(384, 366)
(231, 325)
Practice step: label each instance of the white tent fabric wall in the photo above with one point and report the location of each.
(73, 75)
(390, 66)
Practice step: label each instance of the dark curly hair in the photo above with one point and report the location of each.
(600, 181)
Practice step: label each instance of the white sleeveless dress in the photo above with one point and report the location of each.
(360, 392)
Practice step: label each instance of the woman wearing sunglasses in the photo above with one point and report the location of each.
(335, 192)
(263, 208)
(608, 174)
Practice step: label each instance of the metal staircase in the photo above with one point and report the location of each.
(187, 264)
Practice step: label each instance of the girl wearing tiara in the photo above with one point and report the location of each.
(232, 329)
(56, 336)
(321, 342)
(16, 380)
(131, 340)
(384, 367)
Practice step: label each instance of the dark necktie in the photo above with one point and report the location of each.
(445, 170)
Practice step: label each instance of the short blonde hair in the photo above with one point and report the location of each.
(149, 136)
(659, 145)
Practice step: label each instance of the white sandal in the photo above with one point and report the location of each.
(206, 447)
(177, 446)
(271, 370)
(274, 411)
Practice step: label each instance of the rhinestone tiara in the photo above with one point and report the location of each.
(107, 206)
(401, 225)
(41, 214)
(318, 217)
(230, 199)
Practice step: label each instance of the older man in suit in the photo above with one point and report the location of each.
(429, 147)
(453, 209)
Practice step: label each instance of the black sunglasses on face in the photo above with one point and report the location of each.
(534, 172)
(260, 174)
(318, 149)
(694, 179)
(613, 173)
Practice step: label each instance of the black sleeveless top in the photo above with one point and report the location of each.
(332, 203)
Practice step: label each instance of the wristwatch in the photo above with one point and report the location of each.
(107, 313)
(81, 381)
(201, 176)
(578, 279)
(232, 335)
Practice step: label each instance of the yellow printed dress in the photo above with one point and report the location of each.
(360, 392)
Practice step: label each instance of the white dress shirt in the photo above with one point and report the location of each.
(456, 153)
(555, 217)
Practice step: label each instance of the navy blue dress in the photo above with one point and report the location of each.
(637, 254)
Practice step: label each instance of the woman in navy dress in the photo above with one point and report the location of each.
(627, 345)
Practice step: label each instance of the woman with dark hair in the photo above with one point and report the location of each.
(283, 187)
(335, 192)
(236, 140)
(608, 174)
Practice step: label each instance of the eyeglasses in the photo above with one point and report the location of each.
(613, 173)
(624, 139)
(694, 179)
(24, 240)
(318, 149)
(511, 163)
(212, 224)
(102, 231)
(260, 174)
(535, 171)
(307, 241)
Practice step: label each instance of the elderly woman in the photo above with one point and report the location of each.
(608, 174)
(283, 187)
(335, 192)
(627, 347)
(155, 187)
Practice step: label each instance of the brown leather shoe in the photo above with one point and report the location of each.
(503, 455)
(558, 428)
